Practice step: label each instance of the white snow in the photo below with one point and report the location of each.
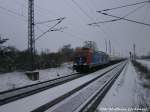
(13, 80)
(80, 98)
(126, 93)
(19, 79)
(32, 102)
(145, 63)
(64, 70)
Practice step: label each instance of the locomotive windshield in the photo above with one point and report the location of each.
(80, 60)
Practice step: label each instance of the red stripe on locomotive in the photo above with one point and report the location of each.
(89, 57)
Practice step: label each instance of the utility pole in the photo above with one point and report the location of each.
(134, 54)
(31, 36)
(109, 47)
(113, 51)
(106, 45)
(33, 75)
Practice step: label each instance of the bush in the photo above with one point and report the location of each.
(142, 68)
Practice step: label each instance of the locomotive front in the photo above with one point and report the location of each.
(82, 59)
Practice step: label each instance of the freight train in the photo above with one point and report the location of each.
(86, 59)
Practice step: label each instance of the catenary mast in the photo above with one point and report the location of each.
(31, 35)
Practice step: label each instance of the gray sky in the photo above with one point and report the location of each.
(122, 33)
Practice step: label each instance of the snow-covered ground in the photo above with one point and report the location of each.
(128, 92)
(32, 102)
(145, 63)
(19, 79)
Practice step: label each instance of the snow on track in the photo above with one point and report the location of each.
(34, 101)
(19, 79)
(76, 100)
(126, 93)
(145, 63)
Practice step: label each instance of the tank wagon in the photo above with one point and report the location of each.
(86, 59)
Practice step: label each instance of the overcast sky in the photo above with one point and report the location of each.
(122, 34)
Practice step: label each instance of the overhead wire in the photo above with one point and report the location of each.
(96, 23)
(90, 9)
(74, 11)
(18, 14)
(69, 33)
(120, 18)
(101, 29)
(91, 18)
(43, 32)
(123, 6)
(123, 18)
(87, 15)
(43, 22)
(114, 20)
(83, 11)
(12, 12)
(50, 29)
(72, 8)
(129, 20)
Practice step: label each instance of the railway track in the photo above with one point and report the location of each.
(15, 94)
(76, 98)
(97, 97)
(86, 97)
(18, 93)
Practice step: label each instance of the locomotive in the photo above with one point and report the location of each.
(87, 59)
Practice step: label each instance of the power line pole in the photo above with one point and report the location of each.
(106, 45)
(31, 36)
(134, 54)
(109, 47)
